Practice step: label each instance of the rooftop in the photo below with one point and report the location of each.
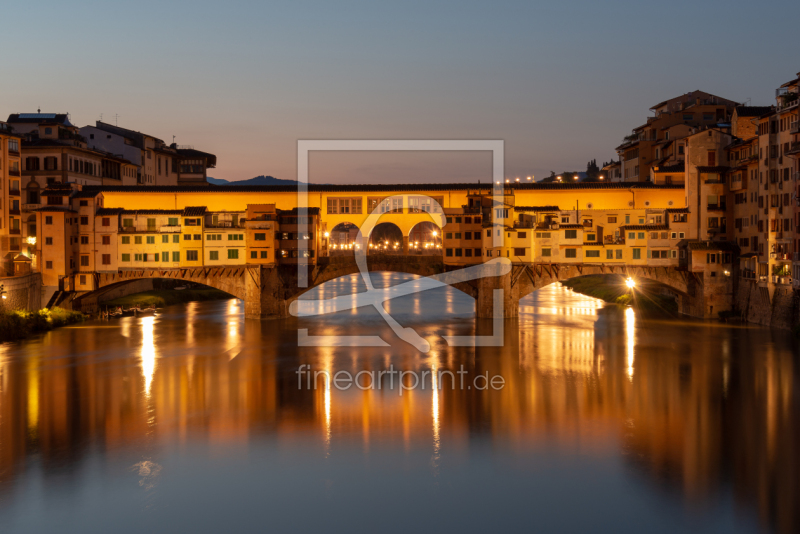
(331, 188)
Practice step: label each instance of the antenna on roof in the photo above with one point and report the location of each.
(116, 121)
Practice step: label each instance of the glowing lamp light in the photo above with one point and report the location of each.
(630, 282)
(31, 240)
(507, 180)
(601, 176)
(327, 234)
(530, 178)
(435, 233)
(576, 176)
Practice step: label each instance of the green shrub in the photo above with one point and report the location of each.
(19, 324)
(624, 300)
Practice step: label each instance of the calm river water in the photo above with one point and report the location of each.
(193, 421)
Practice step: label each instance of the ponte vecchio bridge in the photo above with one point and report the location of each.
(257, 244)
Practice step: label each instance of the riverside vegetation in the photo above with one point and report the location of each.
(20, 324)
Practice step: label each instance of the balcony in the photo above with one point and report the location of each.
(12, 211)
(717, 207)
(138, 229)
(13, 192)
(795, 127)
(259, 225)
(31, 207)
(14, 231)
(168, 229)
(224, 224)
(12, 172)
(524, 224)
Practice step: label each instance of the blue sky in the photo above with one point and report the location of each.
(561, 82)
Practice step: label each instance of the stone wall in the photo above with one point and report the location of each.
(22, 292)
(778, 310)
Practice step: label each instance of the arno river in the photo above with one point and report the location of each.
(193, 421)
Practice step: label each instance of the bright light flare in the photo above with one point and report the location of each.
(630, 282)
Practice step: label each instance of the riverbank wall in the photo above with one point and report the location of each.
(774, 306)
(23, 293)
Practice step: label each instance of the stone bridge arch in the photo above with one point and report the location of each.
(231, 280)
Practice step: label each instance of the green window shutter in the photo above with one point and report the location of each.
(126, 257)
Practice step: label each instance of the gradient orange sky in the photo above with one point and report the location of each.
(560, 82)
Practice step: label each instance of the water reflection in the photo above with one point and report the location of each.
(206, 404)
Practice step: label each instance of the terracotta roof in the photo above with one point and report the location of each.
(37, 118)
(678, 210)
(85, 194)
(194, 211)
(536, 208)
(108, 211)
(150, 212)
(299, 211)
(323, 188)
(56, 208)
(678, 167)
(644, 227)
(753, 111)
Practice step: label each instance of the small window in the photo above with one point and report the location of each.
(233, 253)
(191, 255)
(571, 253)
(448, 252)
(263, 254)
(519, 252)
(48, 220)
(84, 221)
(546, 252)
(571, 234)
(126, 240)
(253, 255)
(106, 259)
(48, 240)
(637, 254)
(592, 253)
(151, 240)
(106, 239)
(165, 256)
(137, 240)
(260, 237)
(106, 221)
(213, 255)
(84, 203)
(165, 239)
(176, 256)
(48, 265)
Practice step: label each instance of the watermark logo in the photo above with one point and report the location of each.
(404, 380)
(375, 297)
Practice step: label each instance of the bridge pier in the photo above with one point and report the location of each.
(484, 303)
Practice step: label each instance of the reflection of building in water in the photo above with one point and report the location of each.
(699, 411)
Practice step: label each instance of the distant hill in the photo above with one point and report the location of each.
(258, 180)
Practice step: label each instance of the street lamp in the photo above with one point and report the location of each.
(530, 178)
(576, 176)
(630, 282)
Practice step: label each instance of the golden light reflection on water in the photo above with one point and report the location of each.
(630, 338)
(148, 352)
(710, 406)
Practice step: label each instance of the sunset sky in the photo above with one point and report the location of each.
(560, 82)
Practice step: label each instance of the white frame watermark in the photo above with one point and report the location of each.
(373, 297)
